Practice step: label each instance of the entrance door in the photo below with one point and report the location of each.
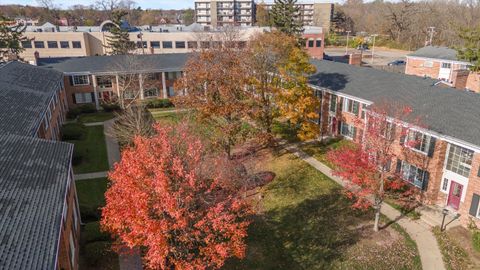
(106, 95)
(455, 195)
(445, 71)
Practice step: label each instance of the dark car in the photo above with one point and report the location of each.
(362, 47)
(397, 63)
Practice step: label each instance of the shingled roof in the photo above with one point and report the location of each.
(435, 52)
(25, 92)
(33, 184)
(117, 63)
(444, 110)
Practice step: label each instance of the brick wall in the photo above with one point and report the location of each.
(72, 89)
(473, 187)
(315, 51)
(473, 82)
(416, 67)
(58, 111)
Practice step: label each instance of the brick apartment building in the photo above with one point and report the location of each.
(40, 221)
(443, 64)
(217, 13)
(446, 162)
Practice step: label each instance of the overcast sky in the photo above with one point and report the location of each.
(154, 4)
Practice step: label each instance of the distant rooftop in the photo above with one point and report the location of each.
(435, 52)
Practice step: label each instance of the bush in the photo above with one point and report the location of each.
(77, 158)
(159, 103)
(73, 113)
(110, 107)
(87, 108)
(476, 240)
(92, 233)
(73, 131)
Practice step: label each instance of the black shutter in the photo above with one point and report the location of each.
(392, 132)
(426, 176)
(478, 174)
(339, 123)
(70, 78)
(431, 148)
(399, 166)
(74, 99)
(474, 206)
(340, 106)
(93, 96)
(403, 136)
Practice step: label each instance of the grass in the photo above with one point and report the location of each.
(306, 223)
(95, 117)
(91, 197)
(319, 150)
(166, 117)
(93, 150)
(407, 211)
(285, 131)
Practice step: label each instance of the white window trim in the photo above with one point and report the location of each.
(341, 129)
(79, 84)
(427, 147)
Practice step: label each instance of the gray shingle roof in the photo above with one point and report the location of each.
(25, 92)
(444, 110)
(117, 63)
(435, 52)
(33, 179)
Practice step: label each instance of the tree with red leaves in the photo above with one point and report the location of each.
(366, 164)
(171, 197)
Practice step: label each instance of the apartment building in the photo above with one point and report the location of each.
(218, 13)
(445, 165)
(40, 224)
(313, 14)
(103, 79)
(443, 64)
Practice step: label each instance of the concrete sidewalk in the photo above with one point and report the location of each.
(85, 176)
(419, 231)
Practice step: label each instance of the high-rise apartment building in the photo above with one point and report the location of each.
(225, 12)
(313, 14)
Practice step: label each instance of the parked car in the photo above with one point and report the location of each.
(397, 63)
(363, 47)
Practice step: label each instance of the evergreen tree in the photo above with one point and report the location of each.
(11, 37)
(284, 16)
(118, 40)
(471, 49)
(262, 17)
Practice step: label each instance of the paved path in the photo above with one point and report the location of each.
(94, 124)
(85, 176)
(419, 231)
(128, 259)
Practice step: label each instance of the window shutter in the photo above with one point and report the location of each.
(431, 148)
(478, 174)
(339, 123)
(70, 79)
(93, 96)
(340, 105)
(354, 133)
(399, 166)
(474, 206)
(403, 136)
(392, 132)
(426, 176)
(74, 99)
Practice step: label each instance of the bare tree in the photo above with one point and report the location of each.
(131, 122)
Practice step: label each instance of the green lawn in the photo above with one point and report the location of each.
(319, 150)
(166, 117)
(95, 117)
(91, 197)
(307, 223)
(93, 150)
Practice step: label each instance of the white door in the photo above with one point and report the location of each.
(445, 71)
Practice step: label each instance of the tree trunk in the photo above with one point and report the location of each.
(377, 218)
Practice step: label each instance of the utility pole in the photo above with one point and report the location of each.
(431, 31)
(373, 46)
(346, 46)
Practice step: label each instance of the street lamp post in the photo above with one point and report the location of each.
(346, 46)
(373, 47)
(445, 213)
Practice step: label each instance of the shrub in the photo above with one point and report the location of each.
(74, 131)
(159, 103)
(110, 107)
(476, 240)
(87, 108)
(76, 158)
(92, 233)
(73, 113)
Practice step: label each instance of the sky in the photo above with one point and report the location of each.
(145, 4)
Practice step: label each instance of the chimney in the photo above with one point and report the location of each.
(459, 78)
(36, 54)
(355, 59)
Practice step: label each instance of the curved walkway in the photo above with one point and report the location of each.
(418, 230)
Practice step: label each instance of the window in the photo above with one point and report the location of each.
(155, 44)
(348, 131)
(333, 103)
(80, 80)
(459, 160)
(171, 92)
(364, 110)
(72, 249)
(141, 44)
(27, 44)
(414, 175)
(151, 92)
(128, 94)
(318, 43)
(39, 44)
(104, 81)
(445, 184)
(173, 75)
(64, 44)
(428, 64)
(217, 44)
(311, 42)
(205, 44)
(418, 141)
(446, 65)
(52, 44)
(192, 44)
(352, 106)
(474, 209)
(81, 98)
(75, 217)
(64, 213)
(180, 44)
(167, 44)
(76, 44)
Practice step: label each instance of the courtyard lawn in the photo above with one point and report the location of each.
(166, 117)
(457, 248)
(95, 246)
(305, 222)
(319, 150)
(95, 117)
(93, 151)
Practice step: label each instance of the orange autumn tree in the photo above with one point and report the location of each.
(169, 196)
(366, 164)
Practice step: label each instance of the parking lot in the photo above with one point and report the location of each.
(381, 57)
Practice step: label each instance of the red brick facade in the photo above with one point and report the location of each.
(315, 45)
(54, 117)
